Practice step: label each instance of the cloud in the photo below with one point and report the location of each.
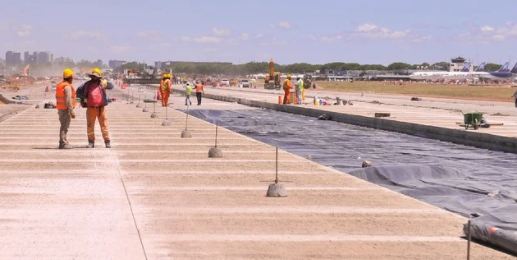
(153, 35)
(284, 25)
(24, 30)
(371, 31)
(488, 33)
(329, 38)
(487, 28)
(85, 35)
(374, 31)
(244, 36)
(202, 39)
(221, 32)
(120, 48)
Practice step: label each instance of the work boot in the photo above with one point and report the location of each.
(91, 144)
(65, 146)
(108, 144)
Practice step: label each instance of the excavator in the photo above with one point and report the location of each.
(272, 81)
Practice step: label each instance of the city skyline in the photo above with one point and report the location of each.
(369, 32)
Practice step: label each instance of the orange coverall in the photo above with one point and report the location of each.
(165, 91)
(287, 91)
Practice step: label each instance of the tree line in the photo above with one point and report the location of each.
(207, 68)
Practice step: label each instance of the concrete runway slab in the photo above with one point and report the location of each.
(157, 196)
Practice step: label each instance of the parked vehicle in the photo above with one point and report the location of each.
(245, 83)
(224, 83)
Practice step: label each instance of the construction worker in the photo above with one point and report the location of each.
(299, 90)
(65, 104)
(287, 89)
(188, 92)
(96, 101)
(165, 88)
(199, 92)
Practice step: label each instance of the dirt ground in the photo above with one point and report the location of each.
(484, 93)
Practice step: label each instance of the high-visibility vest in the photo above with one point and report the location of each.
(61, 98)
(199, 88)
(165, 85)
(188, 90)
(287, 85)
(299, 84)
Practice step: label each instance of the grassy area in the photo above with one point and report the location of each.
(488, 93)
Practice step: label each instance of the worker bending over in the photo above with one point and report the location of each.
(65, 104)
(165, 88)
(287, 89)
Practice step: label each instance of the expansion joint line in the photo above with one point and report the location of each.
(130, 206)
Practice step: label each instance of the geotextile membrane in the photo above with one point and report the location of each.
(476, 183)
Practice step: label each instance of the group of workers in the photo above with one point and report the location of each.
(165, 90)
(92, 95)
(299, 90)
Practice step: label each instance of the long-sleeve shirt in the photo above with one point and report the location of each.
(68, 98)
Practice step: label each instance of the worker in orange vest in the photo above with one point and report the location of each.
(287, 89)
(65, 104)
(199, 92)
(165, 88)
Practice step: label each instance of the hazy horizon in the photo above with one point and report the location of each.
(365, 32)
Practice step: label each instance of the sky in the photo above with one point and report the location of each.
(289, 31)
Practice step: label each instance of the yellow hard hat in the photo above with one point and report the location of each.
(165, 75)
(68, 73)
(96, 72)
(170, 75)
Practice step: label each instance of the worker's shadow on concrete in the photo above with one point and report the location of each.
(57, 148)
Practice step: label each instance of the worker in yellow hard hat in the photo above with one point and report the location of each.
(65, 104)
(165, 88)
(95, 99)
(287, 89)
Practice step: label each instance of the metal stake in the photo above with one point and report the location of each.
(469, 238)
(186, 120)
(216, 127)
(276, 168)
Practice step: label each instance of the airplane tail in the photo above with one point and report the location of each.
(504, 68)
(481, 67)
(514, 70)
(466, 67)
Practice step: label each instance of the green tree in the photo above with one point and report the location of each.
(399, 66)
(492, 67)
(443, 65)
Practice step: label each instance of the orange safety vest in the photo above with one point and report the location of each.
(165, 85)
(60, 95)
(199, 88)
(287, 85)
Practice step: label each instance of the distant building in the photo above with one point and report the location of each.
(458, 64)
(13, 59)
(114, 64)
(159, 65)
(42, 57)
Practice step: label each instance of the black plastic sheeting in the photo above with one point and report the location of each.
(476, 183)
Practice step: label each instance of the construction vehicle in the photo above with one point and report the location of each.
(307, 81)
(272, 80)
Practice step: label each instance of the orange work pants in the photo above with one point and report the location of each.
(92, 114)
(287, 97)
(165, 97)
